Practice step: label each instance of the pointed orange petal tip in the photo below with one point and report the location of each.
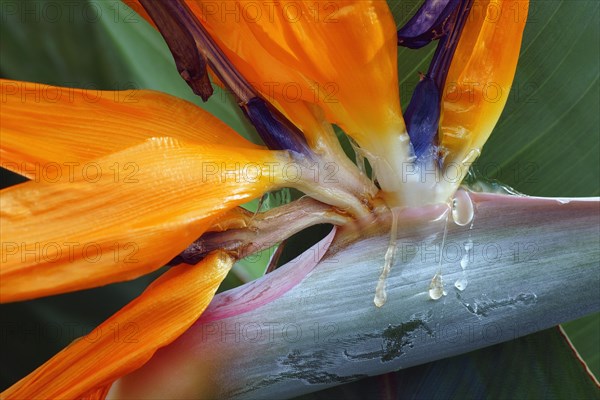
(124, 215)
(88, 366)
(47, 129)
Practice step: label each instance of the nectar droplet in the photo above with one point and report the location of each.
(461, 284)
(462, 208)
(436, 287)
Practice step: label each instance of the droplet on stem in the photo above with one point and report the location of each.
(380, 294)
(436, 287)
(462, 208)
(461, 284)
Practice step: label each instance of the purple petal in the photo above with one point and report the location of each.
(423, 112)
(275, 130)
(423, 115)
(438, 69)
(427, 24)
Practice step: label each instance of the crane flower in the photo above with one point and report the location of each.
(131, 185)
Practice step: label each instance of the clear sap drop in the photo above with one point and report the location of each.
(469, 245)
(464, 262)
(462, 208)
(380, 293)
(436, 287)
(461, 284)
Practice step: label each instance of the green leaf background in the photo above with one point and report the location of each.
(545, 144)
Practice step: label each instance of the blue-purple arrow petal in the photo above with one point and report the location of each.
(429, 23)
(422, 115)
(274, 128)
(423, 112)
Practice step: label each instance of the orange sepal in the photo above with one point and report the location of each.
(480, 78)
(124, 215)
(45, 128)
(127, 340)
(339, 55)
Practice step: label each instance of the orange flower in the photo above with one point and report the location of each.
(121, 183)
